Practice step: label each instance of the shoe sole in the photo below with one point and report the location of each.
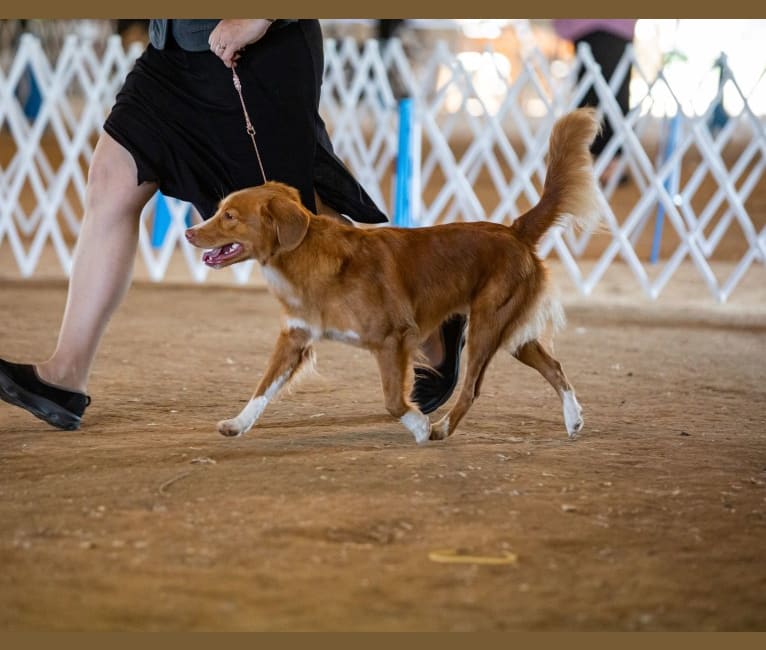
(430, 405)
(40, 407)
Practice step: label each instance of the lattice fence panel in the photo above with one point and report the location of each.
(475, 157)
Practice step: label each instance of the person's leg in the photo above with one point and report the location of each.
(102, 265)
(607, 50)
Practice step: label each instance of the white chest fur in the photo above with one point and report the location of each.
(317, 332)
(281, 286)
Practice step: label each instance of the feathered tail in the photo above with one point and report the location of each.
(570, 187)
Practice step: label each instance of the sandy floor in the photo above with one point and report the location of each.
(327, 515)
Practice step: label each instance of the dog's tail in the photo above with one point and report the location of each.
(570, 187)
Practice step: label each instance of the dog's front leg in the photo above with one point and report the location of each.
(394, 361)
(292, 349)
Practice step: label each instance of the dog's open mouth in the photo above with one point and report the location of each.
(219, 256)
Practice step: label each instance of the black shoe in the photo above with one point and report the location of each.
(20, 386)
(434, 386)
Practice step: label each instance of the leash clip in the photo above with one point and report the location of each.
(248, 124)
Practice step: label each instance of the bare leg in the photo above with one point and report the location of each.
(534, 355)
(291, 350)
(103, 263)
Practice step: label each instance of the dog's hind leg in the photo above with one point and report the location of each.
(292, 349)
(494, 316)
(534, 355)
(484, 338)
(394, 362)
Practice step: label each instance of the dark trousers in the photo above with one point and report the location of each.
(607, 49)
(180, 117)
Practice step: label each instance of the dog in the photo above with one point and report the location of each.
(386, 289)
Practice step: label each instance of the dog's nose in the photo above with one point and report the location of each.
(189, 235)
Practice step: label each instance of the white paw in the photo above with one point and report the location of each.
(418, 424)
(572, 414)
(231, 427)
(246, 419)
(575, 427)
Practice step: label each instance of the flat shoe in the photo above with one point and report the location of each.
(434, 386)
(59, 407)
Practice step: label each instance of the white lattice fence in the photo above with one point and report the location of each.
(476, 157)
(42, 186)
(689, 212)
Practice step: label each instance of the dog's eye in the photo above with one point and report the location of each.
(228, 216)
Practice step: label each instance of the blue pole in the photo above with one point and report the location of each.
(28, 92)
(670, 184)
(161, 221)
(403, 203)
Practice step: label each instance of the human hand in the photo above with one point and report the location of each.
(231, 35)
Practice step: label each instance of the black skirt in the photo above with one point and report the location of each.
(180, 117)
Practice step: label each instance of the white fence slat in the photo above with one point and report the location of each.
(500, 167)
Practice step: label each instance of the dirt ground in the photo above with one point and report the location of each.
(327, 515)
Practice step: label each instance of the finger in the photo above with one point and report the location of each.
(227, 55)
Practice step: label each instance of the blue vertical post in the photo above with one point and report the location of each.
(403, 200)
(163, 219)
(670, 184)
(29, 95)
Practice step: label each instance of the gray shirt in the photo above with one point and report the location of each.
(190, 34)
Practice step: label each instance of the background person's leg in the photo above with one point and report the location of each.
(607, 50)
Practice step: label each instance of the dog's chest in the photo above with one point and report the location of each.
(281, 287)
(303, 317)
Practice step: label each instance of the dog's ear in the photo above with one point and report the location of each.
(291, 220)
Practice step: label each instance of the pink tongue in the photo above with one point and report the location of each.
(209, 257)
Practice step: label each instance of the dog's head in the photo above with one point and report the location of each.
(258, 222)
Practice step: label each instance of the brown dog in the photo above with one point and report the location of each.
(387, 289)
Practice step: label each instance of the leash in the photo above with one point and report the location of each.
(248, 124)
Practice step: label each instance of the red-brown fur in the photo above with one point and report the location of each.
(392, 287)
